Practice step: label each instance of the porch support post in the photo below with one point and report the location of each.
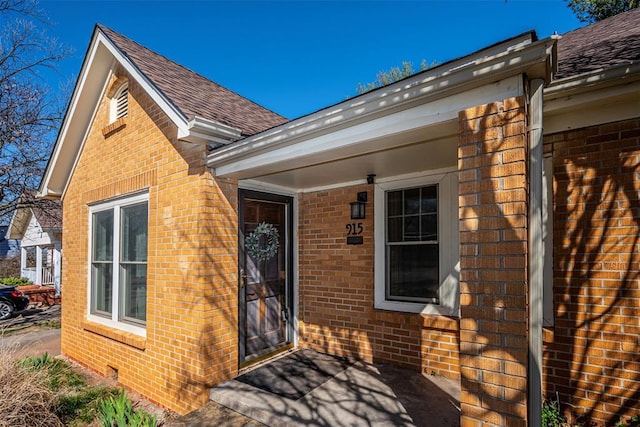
(38, 265)
(57, 263)
(536, 252)
(493, 193)
(23, 261)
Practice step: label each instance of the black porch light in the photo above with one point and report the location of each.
(358, 207)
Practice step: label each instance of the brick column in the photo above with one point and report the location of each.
(492, 164)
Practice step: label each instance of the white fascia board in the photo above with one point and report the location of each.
(496, 63)
(377, 133)
(60, 162)
(90, 87)
(592, 80)
(593, 98)
(205, 131)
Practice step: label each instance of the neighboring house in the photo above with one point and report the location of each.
(9, 248)
(494, 237)
(37, 225)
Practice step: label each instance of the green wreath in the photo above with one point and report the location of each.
(270, 249)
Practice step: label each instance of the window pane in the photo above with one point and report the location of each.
(102, 287)
(412, 201)
(413, 272)
(429, 227)
(394, 230)
(411, 228)
(31, 256)
(134, 278)
(394, 203)
(429, 201)
(103, 236)
(134, 233)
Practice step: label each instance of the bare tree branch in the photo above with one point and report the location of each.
(29, 111)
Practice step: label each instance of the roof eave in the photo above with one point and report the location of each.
(204, 131)
(99, 61)
(591, 80)
(519, 55)
(18, 224)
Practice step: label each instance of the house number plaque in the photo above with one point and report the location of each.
(354, 231)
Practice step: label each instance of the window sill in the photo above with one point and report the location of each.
(123, 337)
(417, 308)
(114, 127)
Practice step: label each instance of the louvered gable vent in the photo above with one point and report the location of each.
(122, 104)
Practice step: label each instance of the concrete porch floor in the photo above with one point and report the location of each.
(360, 395)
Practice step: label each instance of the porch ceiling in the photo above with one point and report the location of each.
(421, 150)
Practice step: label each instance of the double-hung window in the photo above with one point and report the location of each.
(416, 223)
(118, 263)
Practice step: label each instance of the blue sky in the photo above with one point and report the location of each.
(296, 57)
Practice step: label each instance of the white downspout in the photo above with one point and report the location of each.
(536, 253)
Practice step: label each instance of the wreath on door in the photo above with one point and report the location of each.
(270, 244)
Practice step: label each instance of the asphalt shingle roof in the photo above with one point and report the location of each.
(193, 94)
(604, 44)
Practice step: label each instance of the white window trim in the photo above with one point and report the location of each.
(547, 239)
(449, 297)
(116, 205)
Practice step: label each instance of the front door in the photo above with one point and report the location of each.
(265, 273)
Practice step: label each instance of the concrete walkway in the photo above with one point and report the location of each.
(361, 395)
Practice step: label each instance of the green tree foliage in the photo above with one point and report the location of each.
(597, 10)
(29, 111)
(394, 74)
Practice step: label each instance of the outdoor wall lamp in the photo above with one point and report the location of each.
(358, 207)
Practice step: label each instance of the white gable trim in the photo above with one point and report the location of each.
(100, 61)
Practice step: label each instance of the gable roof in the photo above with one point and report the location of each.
(192, 94)
(48, 213)
(203, 111)
(604, 44)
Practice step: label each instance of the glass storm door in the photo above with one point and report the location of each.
(265, 273)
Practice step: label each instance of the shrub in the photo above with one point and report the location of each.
(118, 411)
(551, 415)
(15, 281)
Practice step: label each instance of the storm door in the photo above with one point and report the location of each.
(265, 286)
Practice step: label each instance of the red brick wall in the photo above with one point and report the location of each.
(492, 164)
(593, 361)
(336, 285)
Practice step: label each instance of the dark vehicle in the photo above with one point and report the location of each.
(11, 300)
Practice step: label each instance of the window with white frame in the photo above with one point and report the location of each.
(120, 103)
(118, 263)
(416, 223)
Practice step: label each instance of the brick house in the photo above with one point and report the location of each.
(478, 220)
